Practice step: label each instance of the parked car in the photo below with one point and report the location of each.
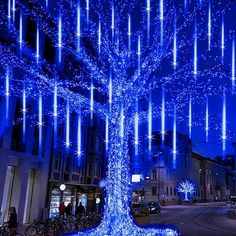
(140, 209)
(155, 207)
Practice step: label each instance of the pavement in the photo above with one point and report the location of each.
(206, 219)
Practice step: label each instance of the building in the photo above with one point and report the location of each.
(33, 168)
(81, 176)
(213, 180)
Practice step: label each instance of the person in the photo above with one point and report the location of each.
(12, 223)
(68, 210)
(80, 210)
(62, 209)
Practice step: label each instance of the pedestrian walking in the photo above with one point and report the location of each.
(68, 210)
(80, 210)
(62, 209)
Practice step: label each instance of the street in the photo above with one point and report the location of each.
(202, 219)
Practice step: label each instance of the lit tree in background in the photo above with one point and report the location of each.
(186, 187)
(125, 51)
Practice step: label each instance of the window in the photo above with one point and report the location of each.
(57, 162)
(211, 189)
(154, 191)
(154, 174)
(167, 191)
(170, 191)
(68, 164)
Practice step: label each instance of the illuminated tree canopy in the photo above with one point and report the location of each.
(186, 187)
(110, 55)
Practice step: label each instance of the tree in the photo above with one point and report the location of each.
(186, 187)
(122, 50)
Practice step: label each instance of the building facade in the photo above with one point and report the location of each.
(214, 180)
(33, 163)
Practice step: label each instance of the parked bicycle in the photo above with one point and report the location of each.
(5, 231)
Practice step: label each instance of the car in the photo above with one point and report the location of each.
(154, 207)
(140, 209)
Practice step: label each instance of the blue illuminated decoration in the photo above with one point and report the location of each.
(55, 114)
(7, 92)
(67, 142)
(112, 19)
(148, 21)
(136, 125)
(139, 55)
(175, 44)
(107, 133)
(207, 120)
(99, 37)
(161, 21)
(40, 124)
(150, 123)
(59, 39)
(78, 28)
(224, 137)
(233, 63)
(209, 26)
(87, 10)
(20, 32)
(186, 187)
(174, 150)
(91, 102)
(163, 116)
(79, 149)
(37, 45)
(24, 110)
(190, 118)
(129, 35)
(195, 49)
(114, 59)
(13, 9)
(222, 38)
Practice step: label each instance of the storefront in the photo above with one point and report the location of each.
(74, 195)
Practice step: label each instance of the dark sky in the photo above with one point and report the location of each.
(214, 146)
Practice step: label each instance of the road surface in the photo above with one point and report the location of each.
(199, 220)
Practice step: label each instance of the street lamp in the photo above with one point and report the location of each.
(62, 187)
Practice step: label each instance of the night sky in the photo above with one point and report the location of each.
(214, 146)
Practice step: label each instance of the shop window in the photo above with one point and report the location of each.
(54, 203)
(154, 174)
(154, 191)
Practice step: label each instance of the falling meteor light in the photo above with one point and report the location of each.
(67, 143)
(150, 123)
(174, 151)
(163, 117)
(190, 117)
(195, 48)
(209, 26)
(136, 121)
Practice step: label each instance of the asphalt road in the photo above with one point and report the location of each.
(200, 220)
